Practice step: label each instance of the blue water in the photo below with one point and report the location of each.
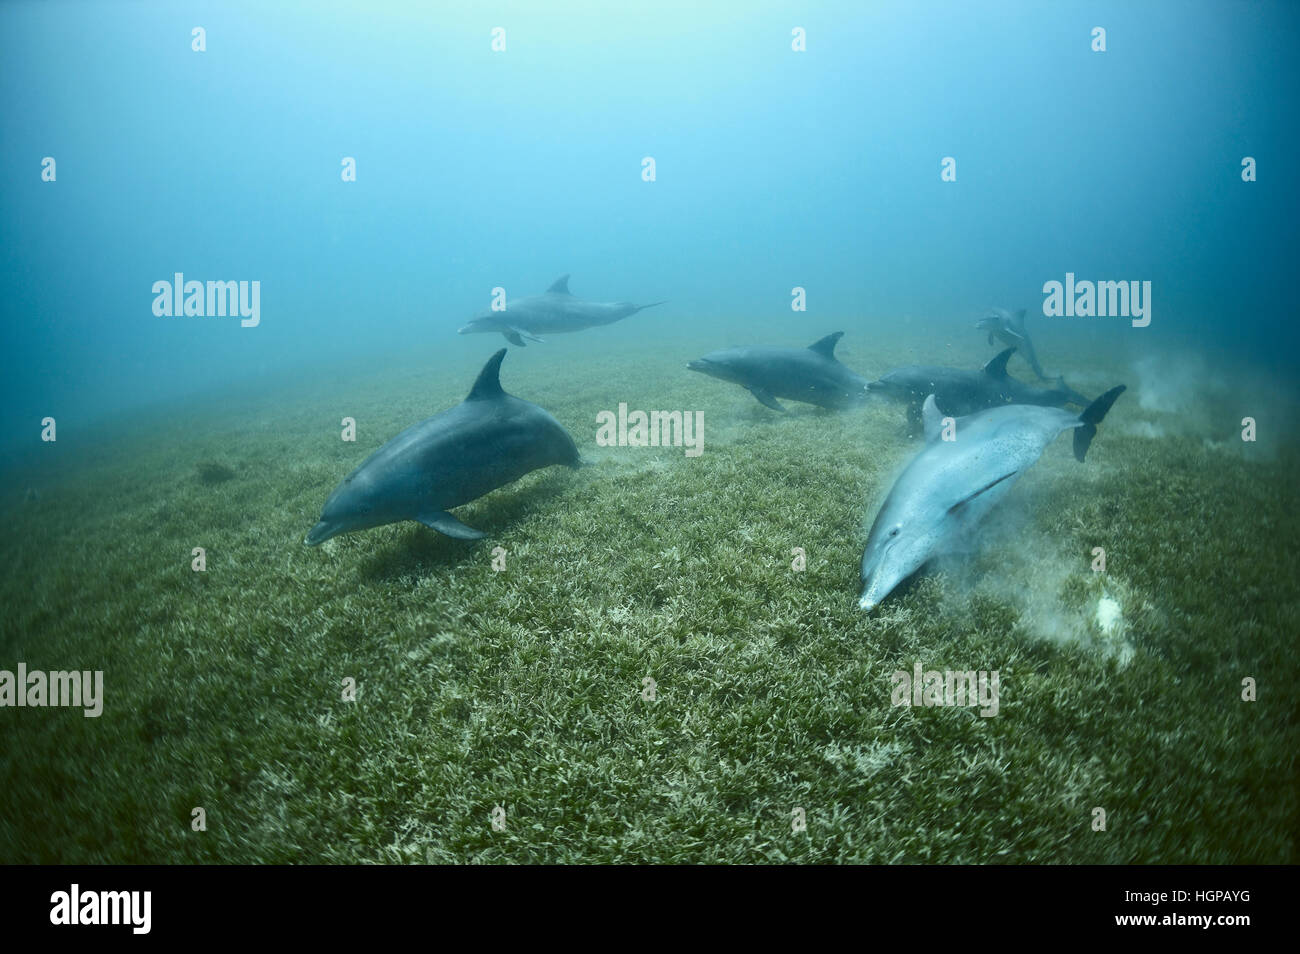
(477, 169)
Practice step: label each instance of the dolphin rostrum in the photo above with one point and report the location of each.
(960, 391)
(812, 375)
(1009, 328)
(950, 485)
(552, 312)
(458, 455)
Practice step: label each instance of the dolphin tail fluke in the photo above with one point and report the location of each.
(1091, 417)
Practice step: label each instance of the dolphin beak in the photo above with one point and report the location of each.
(870, 597)
(465, 330)
(318, 534)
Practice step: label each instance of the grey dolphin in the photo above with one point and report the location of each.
(960, 391)
(812, 375)
(552, 312)
(950, 485)
(485, 442)
(1009, 328)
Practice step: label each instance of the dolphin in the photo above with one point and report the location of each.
(960, 391)
(458, 455)
(812, 375)
(1009, 328)
(552, 312)
(950, 485)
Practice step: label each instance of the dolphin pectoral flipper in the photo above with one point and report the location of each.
(987, 487)
(765, 397)
(445, 523)
(516, 336)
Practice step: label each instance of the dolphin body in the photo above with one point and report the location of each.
(485, 442)
(950, 486)
(960, 391)
(812, 375)
(1009, 328)
(552, 312)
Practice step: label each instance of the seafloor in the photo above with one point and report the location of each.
(525, 689)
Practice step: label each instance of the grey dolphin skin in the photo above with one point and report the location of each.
(485, 442)
(552, 312)
(951, 485)
(961, 391)
(812, 375)
(1009, 328)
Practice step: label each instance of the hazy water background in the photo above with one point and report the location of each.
(478, 169)
(775, 169)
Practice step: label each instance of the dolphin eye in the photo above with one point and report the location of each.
(894, 532)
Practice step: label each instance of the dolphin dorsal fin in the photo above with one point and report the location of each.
(931, 419)
(997, 368)
(826, 346)
(488, 385)
(560, 286)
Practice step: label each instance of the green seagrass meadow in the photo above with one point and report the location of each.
(524, 688)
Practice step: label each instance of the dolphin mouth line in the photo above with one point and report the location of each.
(318, 534)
